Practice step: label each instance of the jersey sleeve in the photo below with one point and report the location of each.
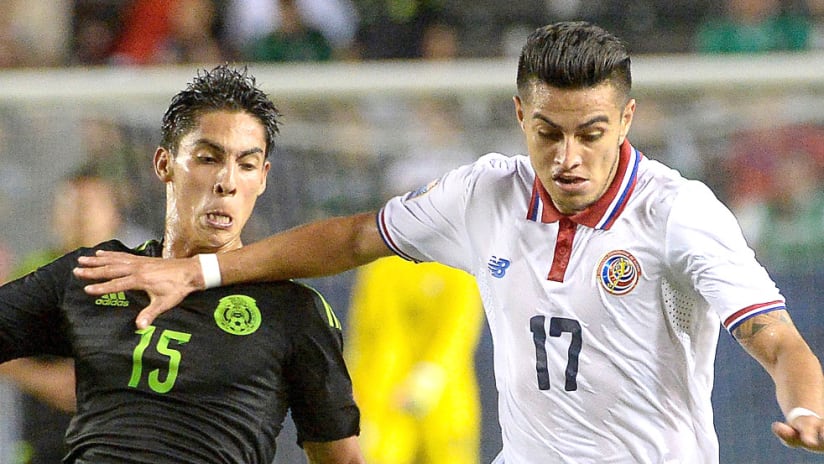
(431, 223)
(320, 389)
(705, 244)
(31, 322)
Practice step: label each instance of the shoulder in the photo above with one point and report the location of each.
(148, 248)
(664, 195)
(296, 301)
(500, 164)
(663, 184)
(686, 205)
(495, 170)
(488, 175)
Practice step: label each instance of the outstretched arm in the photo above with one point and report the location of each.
(51, 381)
(773, 340)
(312, 250)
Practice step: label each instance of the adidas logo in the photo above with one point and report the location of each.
(113, 299)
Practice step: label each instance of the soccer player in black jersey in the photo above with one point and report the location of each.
(211, 382)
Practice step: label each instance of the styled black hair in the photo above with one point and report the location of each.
(573, 55)
(222, 89)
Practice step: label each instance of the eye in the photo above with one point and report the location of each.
(552, 136)
(592, 136)
(206, 158)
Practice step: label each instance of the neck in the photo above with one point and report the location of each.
(177, 246)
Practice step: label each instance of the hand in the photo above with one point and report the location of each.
(166, 281)
(805, 432)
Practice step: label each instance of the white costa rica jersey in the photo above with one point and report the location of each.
(604, 323)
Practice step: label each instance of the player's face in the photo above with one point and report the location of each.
(213, 182)
(574, 138)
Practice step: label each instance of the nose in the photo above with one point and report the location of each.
(568, 155)
(226, 183)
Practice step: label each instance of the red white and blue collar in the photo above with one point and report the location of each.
(603, 213)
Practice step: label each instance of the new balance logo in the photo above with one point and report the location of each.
(113, 299)
(497, 266)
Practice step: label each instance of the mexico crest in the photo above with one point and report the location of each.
(619, 272)
(237, 315)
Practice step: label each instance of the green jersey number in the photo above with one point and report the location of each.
(162, 347)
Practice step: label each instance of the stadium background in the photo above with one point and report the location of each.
(357, 122)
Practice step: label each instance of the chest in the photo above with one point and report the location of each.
(595, 276)
(205, 345)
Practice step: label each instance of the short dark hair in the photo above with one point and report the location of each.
(573, 55)
(222, 88)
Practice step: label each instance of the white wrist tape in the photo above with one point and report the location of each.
(795, 413)
(210, 269)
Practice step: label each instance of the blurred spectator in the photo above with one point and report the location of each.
(816, 10)
(94, 30)
(778, 195)
(440, 42)
(752, 26)
(292, 40)
(394, 29)
(169, 32)
(84, 213)
(250, 21)
(34, 32)
(115, 151)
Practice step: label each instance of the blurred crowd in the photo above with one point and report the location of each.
(54, 33)
(743, 167)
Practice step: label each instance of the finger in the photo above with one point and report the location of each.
(788, 435)
(102, 258)
(115, 255)
(109, 271)
(148, 314)
(111, 286)
(812, 439)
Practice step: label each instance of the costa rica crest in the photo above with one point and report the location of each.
(619, 272)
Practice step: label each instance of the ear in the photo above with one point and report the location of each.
(266, 166)
(626, 119)
(163, 164)
(519, 110)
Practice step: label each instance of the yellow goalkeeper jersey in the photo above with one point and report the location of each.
(412, 334)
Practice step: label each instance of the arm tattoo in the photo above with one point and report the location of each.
(747, 331)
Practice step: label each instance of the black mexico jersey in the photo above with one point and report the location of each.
(209, 382)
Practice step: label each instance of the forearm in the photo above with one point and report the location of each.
(775, 343)
(345, 451)
(49, 381)
(799, 381)
(312, 250)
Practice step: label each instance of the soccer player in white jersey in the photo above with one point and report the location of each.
(604, 274)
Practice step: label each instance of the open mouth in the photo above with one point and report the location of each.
(219, 220)
(568, 181)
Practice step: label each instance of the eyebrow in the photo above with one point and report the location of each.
(220, 148)
(595, 120)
